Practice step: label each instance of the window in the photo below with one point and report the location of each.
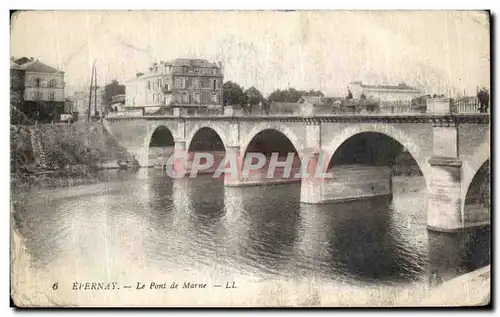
(185, 98)
(149, 85)
(178, 98)
(214, 98)
(180, 83)
(51, 96)
(184, 69)
(38, 95)
(154, 98)
(166, 88)
(215, 84)
(196, 83)
(214, 70)
(196, 98)
(37, 82)
(52, 83)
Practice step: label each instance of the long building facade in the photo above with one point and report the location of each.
(384, 93)
(181, 83)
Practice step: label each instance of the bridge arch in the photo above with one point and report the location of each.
(415, 150)
(207, 139)
(287, 132)
(471, 168)
(172, 128)
(158, 142)
(218, 131)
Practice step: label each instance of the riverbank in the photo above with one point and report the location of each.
(471, 289)
(62, 155)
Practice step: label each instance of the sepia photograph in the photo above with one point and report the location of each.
(252, 158)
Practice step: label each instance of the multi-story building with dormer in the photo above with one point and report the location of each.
(181, 83)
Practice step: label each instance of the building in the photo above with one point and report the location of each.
(382, 93)
(37, 89)
(186, 83)
(80, 101)
(117, 103)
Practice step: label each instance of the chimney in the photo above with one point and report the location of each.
(138, 75)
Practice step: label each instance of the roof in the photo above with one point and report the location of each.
(388, 87)
(192, 62)
(39, 67)
(178, 62)
(31, 65)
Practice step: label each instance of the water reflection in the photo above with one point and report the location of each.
(199, 225)
(355, 240)
(271, 226)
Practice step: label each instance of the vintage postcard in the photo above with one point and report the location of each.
(250, 158)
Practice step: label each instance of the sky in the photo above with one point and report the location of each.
(437, 51)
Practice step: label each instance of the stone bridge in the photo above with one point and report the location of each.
(448, 148)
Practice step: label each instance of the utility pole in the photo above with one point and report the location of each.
(95, 91)
(90, 93)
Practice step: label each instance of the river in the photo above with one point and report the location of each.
(142, 226)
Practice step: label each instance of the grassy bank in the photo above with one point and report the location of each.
(72, 155)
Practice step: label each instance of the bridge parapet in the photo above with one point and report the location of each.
(353, 108)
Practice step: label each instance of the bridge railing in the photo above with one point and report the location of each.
(346, 108)
(470, 105)
(367, 107)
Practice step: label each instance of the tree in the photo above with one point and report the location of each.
(292, 95)
(314, 92)
(112, 89)
(254, 97)
(232, 93)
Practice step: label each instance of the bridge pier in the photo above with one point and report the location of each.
(181, 157)
(233, 157)
(311, 189)
(444, 203)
